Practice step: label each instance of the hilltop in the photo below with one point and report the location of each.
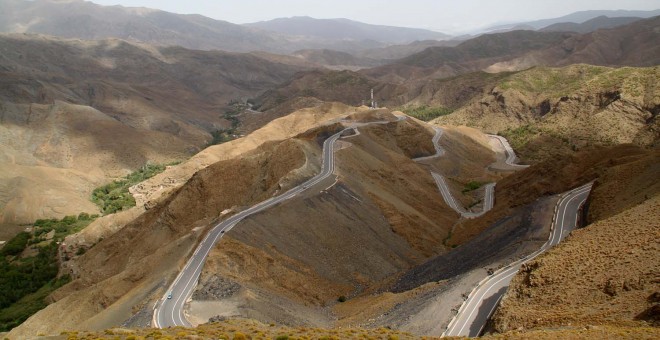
(602, 277)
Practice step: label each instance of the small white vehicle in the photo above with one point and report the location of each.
(169, 295)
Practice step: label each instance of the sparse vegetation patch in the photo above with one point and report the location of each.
(472, 185)
(28, 267)
(115, 197)
(427, 113)
(231, 114)
(519, 137)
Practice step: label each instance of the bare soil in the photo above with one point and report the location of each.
(605, 274)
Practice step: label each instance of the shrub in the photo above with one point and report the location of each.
(25, 284)
(239, 336)
(341, 299)
(16, 245)
(114, 196)
(472, 185)
(427, 113)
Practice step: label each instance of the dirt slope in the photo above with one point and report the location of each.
(76, 114)
(289, 264)
(549, 111)
(123, 272)
(604, 274)
(383, 215)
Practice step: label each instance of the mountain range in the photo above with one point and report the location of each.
(577, 17)
(344, 29)
(382, 218)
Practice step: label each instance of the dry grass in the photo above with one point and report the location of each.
(604, 274)
(244, 329)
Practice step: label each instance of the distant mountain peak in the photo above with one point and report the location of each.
(346, 29)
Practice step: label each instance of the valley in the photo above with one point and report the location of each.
(169, 175)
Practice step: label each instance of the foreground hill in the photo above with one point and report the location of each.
(76, 114)
(604, 275)
(366, 201)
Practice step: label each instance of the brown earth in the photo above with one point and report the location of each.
(234, 328)
(76, 114)
(450, 76)
(352, 236)
(122, 273)
(546, 111)
(382, 216)
(604, 275)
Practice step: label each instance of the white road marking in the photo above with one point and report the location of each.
(204, 247)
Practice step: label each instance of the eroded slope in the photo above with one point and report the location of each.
(604, 274)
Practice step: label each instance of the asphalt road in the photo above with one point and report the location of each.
(480, 304)
(168, 311)
(489, 189)
(511, 157)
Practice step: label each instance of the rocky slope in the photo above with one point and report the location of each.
(120, 275)
(546, 111)
(604, 275)
(75, 114)
(383, 215)
(287, 262)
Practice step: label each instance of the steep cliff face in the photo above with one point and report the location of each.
(604, 274)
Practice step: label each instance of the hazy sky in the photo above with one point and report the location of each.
(451, 16)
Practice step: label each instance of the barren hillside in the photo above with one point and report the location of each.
(548, 111)
(604, 275)
(75, 114)
(288, 256)
(120, 275)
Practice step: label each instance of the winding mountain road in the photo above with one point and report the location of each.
(511, 157)
(480, 304)
(169, 310)
(489, 189)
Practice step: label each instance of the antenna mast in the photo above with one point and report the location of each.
(372, 99)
